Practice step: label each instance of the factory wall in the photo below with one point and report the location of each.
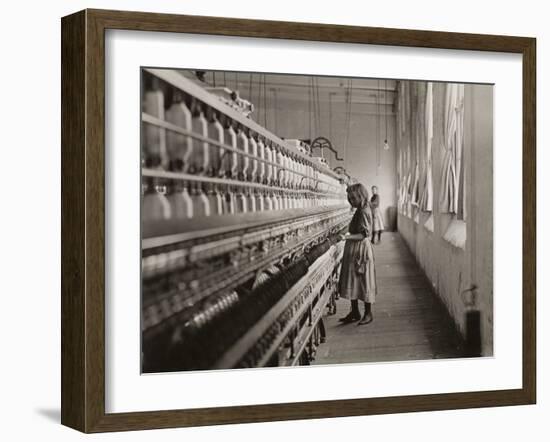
(363, 155)
(452, 269)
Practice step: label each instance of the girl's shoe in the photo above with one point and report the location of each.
(367, 319)
(351, 317)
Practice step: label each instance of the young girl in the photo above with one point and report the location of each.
(357, 275)
(378, 223)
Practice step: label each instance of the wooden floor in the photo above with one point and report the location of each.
(410, 323)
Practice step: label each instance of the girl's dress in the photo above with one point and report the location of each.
(376, 214)
(358, 274)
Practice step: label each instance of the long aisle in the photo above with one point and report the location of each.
(410, 322)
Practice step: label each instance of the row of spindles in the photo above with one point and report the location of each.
(267, 176)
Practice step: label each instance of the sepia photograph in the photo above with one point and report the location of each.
(301, 220)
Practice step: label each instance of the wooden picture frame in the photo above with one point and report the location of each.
(83, 220)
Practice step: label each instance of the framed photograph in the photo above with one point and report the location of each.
(269, 220)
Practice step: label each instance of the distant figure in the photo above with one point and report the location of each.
(358, 275)
(378, 223)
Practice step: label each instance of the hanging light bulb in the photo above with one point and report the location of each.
(386, 145)
(378, 163)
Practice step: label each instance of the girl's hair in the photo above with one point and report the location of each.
(358, 194)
